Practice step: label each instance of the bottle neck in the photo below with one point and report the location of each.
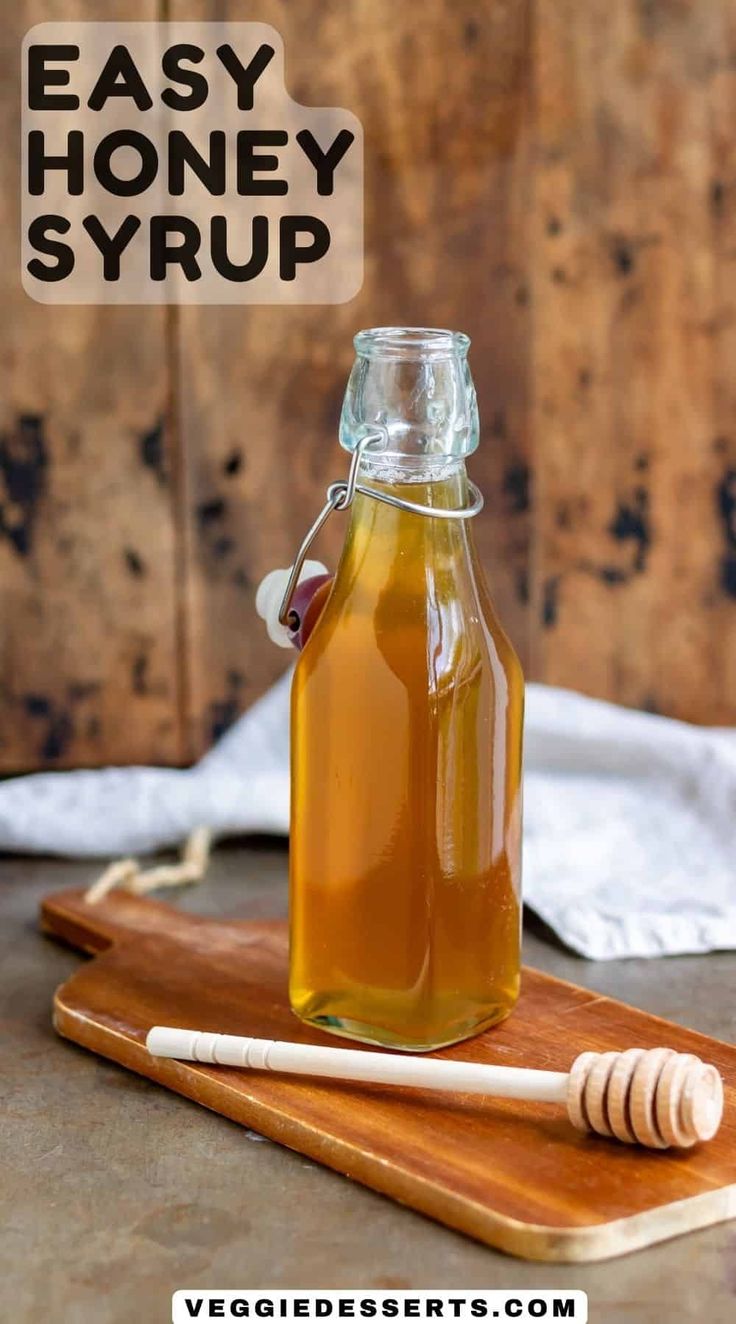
(392, 470)
(413, 384)
(380, 532)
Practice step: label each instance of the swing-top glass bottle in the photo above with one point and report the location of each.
(406, 732)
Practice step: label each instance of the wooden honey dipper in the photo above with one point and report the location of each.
(656, 1097)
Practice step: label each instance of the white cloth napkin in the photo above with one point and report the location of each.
(630, 819)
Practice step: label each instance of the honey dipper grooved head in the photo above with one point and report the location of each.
(654, 1097)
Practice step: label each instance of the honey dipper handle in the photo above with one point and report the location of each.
(351, 1064)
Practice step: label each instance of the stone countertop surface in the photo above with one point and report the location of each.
(116, 1192)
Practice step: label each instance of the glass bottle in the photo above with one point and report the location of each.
(407, 706)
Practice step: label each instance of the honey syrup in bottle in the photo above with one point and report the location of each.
(407, 705)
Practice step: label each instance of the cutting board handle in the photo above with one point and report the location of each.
(93, 928)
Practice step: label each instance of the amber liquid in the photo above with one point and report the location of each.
(406, 764)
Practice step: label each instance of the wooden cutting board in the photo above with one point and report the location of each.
(514, 1175)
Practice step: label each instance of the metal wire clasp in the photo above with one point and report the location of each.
(340, 496)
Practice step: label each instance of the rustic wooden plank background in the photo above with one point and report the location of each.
(88, 627)
(634, 256)
(442, 104)
(558, 180)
